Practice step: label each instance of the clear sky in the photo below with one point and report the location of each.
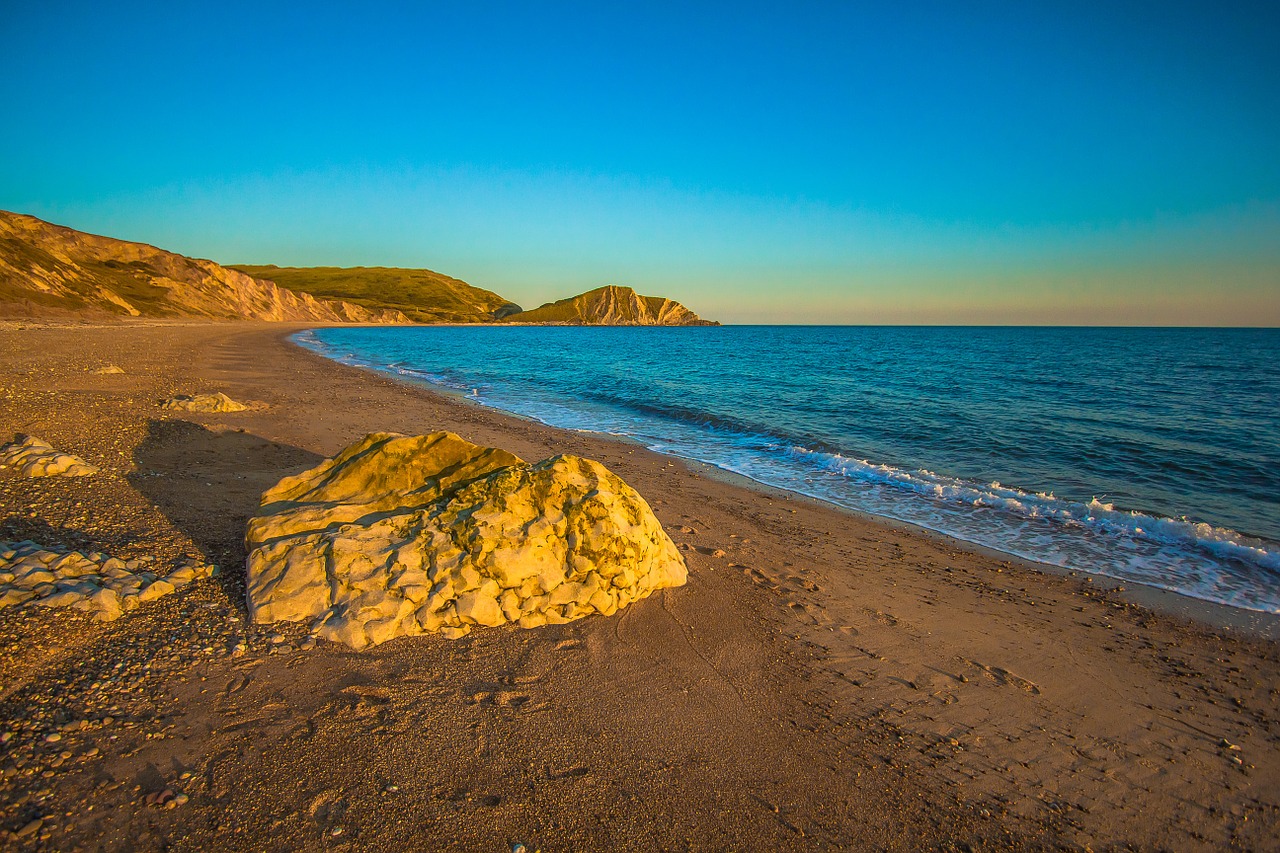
(975, 162)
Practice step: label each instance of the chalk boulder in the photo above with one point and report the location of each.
(36, 458)
(204, 403)
(404, 535)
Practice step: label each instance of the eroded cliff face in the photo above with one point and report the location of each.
(613, 306)
(46, 268)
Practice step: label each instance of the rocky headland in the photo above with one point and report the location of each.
(611, 306)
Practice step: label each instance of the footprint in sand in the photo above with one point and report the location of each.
(571, 773)
(804, 583)
(237, 684)
(758, 576)
(803, 611)
(499, 698)
(1003, 676)
(327, 808)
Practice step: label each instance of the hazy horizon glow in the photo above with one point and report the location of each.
(1084, 165)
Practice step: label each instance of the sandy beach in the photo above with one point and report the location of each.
(823, 681)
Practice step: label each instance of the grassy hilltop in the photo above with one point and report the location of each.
(423, 295)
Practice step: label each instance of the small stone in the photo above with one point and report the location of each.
(31, 828)
(336, 831)
(52, 737)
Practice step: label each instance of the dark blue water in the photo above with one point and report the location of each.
(1149, 455)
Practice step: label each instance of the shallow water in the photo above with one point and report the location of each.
(1148, 455)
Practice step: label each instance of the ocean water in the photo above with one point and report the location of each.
(1146, 455)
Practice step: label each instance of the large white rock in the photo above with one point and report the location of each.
(403, 535)
(36, 458)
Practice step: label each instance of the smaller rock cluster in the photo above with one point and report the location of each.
(34, 457)
(88, 581)
(203, 403)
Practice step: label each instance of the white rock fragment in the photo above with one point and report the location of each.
(34, 457)
(404, 535)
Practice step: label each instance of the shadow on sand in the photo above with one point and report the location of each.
(208, 483)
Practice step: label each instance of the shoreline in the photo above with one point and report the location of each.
(1169, 602)
(824, 680)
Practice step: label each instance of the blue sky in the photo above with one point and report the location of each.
(820, 162)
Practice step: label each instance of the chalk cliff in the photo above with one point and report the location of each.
(47, 269)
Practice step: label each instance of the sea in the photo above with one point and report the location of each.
(1144, 455)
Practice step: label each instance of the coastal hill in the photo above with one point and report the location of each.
(47, 269)
(421, 295)
(612, 306)
(51, 270)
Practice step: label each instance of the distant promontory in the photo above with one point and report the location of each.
(612, 306)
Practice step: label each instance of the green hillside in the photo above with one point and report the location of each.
(424, 296)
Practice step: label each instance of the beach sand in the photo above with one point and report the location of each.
(824, 681)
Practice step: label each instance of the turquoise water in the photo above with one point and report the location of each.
(1148, 455)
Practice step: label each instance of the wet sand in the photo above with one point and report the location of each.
(824, 681)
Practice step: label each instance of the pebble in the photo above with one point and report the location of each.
(31, 828)
(52, 737)
(160, 798)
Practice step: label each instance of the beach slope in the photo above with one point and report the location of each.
(822, 681)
